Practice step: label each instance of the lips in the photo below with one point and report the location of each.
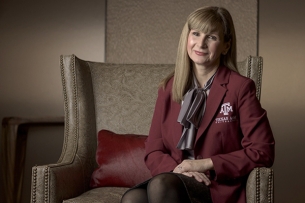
(199, 53)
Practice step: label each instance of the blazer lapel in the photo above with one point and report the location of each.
(216, 95)
(177, 127)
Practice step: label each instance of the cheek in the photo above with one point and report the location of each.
(216, 50)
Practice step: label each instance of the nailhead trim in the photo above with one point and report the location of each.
(72, 67)
(270, 186)
(67, 123)
(46, 184)
(34, 184)
(259, 77)
(257, 185)
(249, 66)
(46, 171)
(65, 106)
(250, 60)
(75, 103)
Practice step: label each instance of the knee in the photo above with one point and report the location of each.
(134, 196)
(163, 181)
(127, 199)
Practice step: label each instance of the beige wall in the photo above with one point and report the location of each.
(282, 44)
(148, 32)
(34, 33)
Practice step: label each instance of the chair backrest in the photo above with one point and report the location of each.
(116, 97)
(125, 95)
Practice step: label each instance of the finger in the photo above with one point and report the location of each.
(198, 177)
(206, 180)
(201, 177)
(178, 169)
(187, 174)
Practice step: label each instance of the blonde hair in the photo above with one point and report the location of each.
(205, 19)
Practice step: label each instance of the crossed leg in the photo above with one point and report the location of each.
(165, 187)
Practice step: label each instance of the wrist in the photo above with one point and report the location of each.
(209, 164)
(206, 164)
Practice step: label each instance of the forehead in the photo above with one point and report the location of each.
(206, 27)
(206, 22)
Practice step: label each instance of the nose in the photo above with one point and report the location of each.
(203, 42)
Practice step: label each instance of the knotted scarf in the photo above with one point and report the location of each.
(191, 113)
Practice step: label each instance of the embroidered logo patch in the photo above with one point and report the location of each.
(226, 108)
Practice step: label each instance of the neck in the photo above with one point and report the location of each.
(203, 74)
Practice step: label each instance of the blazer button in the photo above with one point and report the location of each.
(199, 157)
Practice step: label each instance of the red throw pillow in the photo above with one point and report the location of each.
(120, 159)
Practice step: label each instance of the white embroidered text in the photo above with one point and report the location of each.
(226, 119)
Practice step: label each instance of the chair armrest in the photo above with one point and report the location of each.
(57, 182)
(260, 186)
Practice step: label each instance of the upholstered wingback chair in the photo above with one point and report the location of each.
(120, 98)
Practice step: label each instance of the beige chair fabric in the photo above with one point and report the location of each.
(120, 98)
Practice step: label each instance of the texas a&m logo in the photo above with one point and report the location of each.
(226, 108)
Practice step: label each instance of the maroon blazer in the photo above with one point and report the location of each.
(235, 133)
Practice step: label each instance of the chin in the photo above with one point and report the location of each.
(206, 62)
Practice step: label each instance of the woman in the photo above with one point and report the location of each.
(208, 130)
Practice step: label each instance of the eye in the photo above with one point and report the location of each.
(212, 37)
(195, 33)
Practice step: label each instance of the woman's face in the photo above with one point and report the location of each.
(205, 49)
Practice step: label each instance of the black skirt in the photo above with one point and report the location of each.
(197, 192)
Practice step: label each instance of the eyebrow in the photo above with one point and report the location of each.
(212, 32)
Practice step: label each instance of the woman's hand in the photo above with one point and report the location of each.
(200, 177)
(198, 165)
(196, 169)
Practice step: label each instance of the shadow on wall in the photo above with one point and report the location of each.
(288, 128)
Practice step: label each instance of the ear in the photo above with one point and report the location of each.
(227, 46)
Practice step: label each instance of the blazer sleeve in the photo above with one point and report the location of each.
(257, 142)
(157, 156)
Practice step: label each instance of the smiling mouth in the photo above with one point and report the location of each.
(200, 53)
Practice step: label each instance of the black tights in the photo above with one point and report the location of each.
(161, 188)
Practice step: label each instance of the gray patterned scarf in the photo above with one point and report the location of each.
(191, 113)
